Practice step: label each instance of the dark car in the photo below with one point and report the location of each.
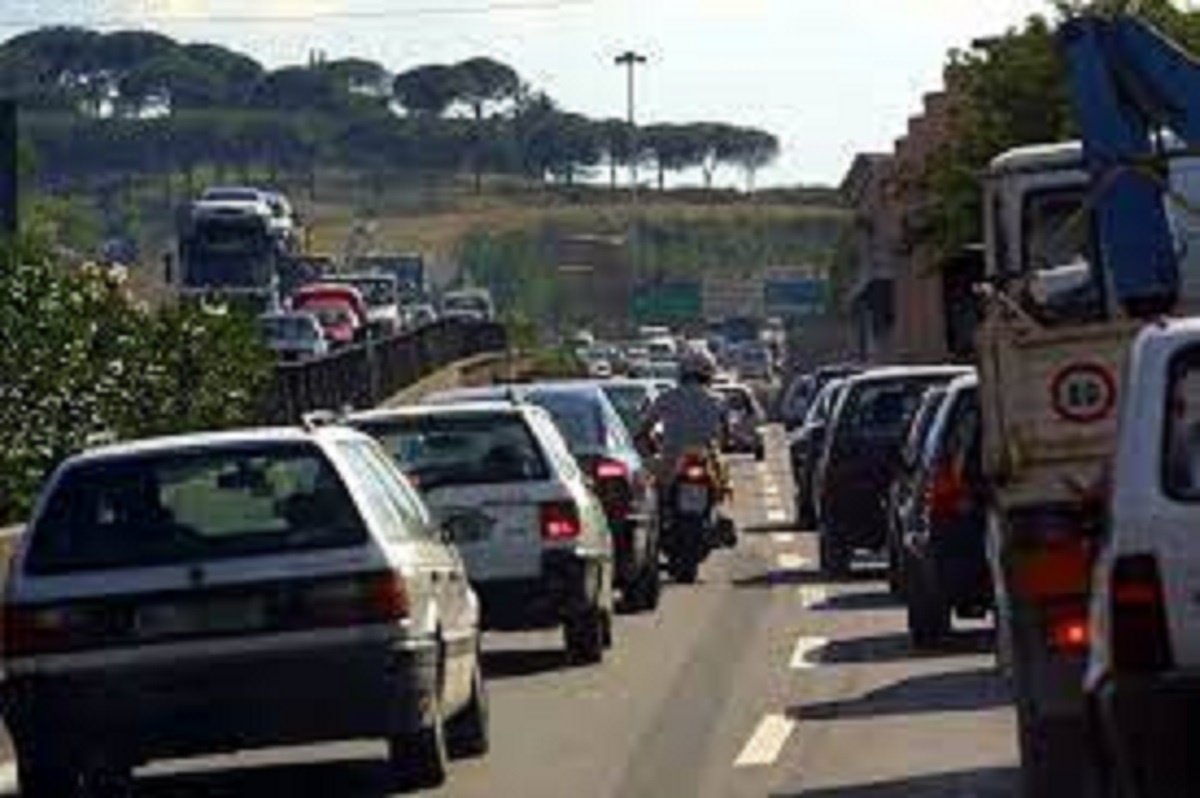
(900, 496)
(798, 396)
(599, 440)
(862, 448)
(804, 449)
(944, 558)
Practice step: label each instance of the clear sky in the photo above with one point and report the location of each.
(830, 77)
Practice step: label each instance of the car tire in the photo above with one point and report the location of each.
(685, 569)
(895, 570)
(929, 615)
(644, 592)
(467, 733)
(834, 554)
(420, 760)
(583, 635)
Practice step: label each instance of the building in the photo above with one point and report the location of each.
(869, 299)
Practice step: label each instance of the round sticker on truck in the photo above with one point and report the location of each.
(1084, 393)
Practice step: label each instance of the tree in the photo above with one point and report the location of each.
(301, 89)
(483, 81)
(121, 51)
(675, 147)
(359, 76)
(751, 150)
(185, 82)
(428, 90)
(616, 141)
(239, 73)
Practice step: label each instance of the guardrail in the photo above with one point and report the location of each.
(368, 374)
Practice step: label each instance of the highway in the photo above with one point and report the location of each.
(761, 681)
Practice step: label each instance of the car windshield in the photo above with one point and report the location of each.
(288, 328)
(448, 450)
(190, 507)
(578, 417)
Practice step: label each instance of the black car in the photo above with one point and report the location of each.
(944, 558)
(804, 449)
(797, 398)
(600, 442)
(862, 448)
(900, 496)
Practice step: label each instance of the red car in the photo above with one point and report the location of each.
(340, 309)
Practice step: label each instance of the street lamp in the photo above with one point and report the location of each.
(631, 61)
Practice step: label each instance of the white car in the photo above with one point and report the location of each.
(501, 480)
(227, 591)
(1143, 676)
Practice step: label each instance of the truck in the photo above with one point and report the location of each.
(1084, 242)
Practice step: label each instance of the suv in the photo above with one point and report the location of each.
(218, 592)
(861, 451)
(501, 481)
(943, 553)
(601, 444)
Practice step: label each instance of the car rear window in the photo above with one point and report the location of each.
(628, 400)
(883, 409)
(189, 507)
(578, 417)
(437, 451)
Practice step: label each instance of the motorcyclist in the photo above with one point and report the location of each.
(688, 417)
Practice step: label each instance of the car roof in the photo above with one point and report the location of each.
(889, 373)
(201, 441)
(464, 409)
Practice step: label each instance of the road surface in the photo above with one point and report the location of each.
(763, 680)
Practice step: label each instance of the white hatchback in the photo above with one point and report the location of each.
(501, 481)
(219, 592)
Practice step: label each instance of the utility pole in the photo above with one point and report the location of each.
(631, 60)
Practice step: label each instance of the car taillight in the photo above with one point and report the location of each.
(1067, 628)
(372, 598)
(946, 495)
(33, 630)
(560, 521)
(611, 469)
(1140, 639)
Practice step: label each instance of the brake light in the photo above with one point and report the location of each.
(1140, 639)
(32, 630)
(1067, 628)
(560, 521)
(946, 495)
(611, 469)
(374, 598)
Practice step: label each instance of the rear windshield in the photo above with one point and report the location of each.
(577, 416)
(436, 451)
(883, 409)
(190, 507)
(628, 400)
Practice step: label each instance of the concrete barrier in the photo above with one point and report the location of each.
(474, 372)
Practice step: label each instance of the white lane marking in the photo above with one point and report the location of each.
(776, 516)
(783, 538)
(767, 742)
(8, 779)
(812, 596)
(763, 468)
(804, 655)
(792, 562)
(771, 489)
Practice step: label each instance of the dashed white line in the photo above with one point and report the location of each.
(783, 538)
(776, 516)
(792, 562)
(771, 489)
(812, 596)
(804, 655)
(767, 742)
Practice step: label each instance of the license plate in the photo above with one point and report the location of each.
(203, 617)
(692, 499)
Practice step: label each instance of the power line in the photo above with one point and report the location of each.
(140, 20)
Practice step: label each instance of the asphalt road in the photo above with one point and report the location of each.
(760, 681)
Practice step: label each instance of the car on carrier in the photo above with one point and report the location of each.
(860, 455)
(599, 441)
(500, 480)
(227, 591)
(943, 542)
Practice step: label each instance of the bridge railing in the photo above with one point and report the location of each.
(367, 374)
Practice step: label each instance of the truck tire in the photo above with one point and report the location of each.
(929, 616)
(834, 554)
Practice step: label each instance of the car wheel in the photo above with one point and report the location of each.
(834, 555)
(420, 760)
(45, 777)
(467, 733)
(644, 593)
(928, 612)
(584, 637)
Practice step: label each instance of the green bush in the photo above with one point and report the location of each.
(80, 358)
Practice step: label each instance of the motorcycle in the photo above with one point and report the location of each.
(692, 527)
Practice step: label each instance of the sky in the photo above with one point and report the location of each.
(829, 77)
